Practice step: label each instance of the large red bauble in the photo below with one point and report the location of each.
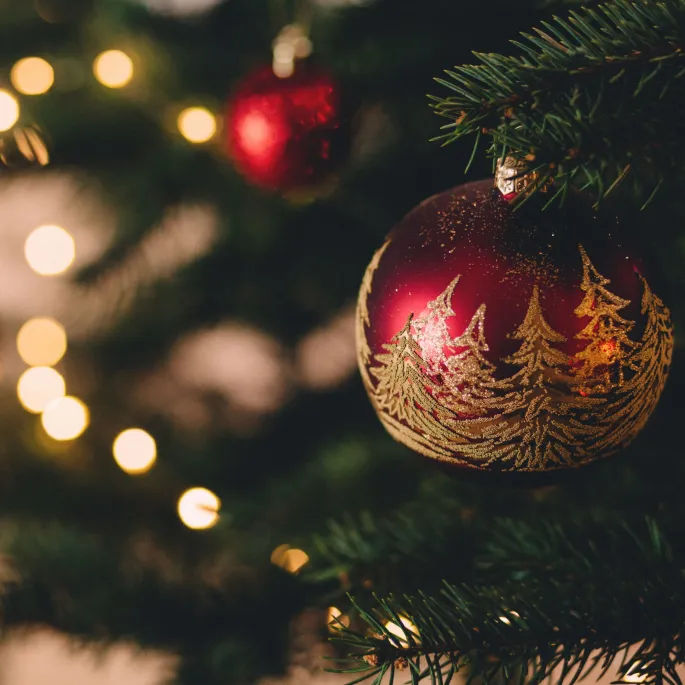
(505, 340)
(286, 133)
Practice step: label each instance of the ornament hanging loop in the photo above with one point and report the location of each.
(513, 178)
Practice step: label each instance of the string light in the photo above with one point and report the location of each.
(134, 450)
(294, 560)
(32, 76)
(49, 250)
(65, 418)
(113, 68)
(198, 508)
(38, 386)
(41, 341)
(403, 631)
(288, 558)
(197, 124)
(336, 619)
(9, 110)
(506, 620)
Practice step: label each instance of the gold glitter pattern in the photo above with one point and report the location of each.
(440, 396)
(362, 318)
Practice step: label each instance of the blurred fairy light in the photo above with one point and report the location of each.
(32, 76)
(49, 250)
(197, 124)
(403, 632)
(506, 620)
(327, 357)
(135, 451)
(113, 68)
(31, 146)
(65, 418)
(38, 386)
(198, 508)
(9, 110)
(41, 341)
(336, 619)
(291, 43)
(289, 559)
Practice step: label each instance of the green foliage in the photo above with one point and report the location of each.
(593, 99)
(548, 603)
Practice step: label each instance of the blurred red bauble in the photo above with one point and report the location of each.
(286, 134)
(524, 341)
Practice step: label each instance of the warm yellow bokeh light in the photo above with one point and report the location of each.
(32, 76)
(198, 508)
(197, 124)
(113, 68)
(9, 110)
(65, 418)
(49, 250)
(336, 620)
(403, 632)
(294, 560)
(38, 386)
(41, 342)
(278, 555)
(134, 450)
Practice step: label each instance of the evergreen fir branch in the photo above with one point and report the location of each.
(595, 97)
(544, 576)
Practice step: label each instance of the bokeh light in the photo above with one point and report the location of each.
(49, 250)
(289, 558)
(197, 124)
(38, 386)
(135, 450)
(198, 508)
(294, 560)
(403, 632)
(65, 418)
(9, 110)
(41, 341)
(32, 76)
(336, 620)
(113, 68)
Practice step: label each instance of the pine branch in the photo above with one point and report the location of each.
(501, 626)
(594, 98)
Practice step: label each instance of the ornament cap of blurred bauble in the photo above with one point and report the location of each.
(286, 133)
(511, 340)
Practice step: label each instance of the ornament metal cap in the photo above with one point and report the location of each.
(513, 178)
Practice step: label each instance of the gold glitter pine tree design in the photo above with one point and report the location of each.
(624, 416)
(405, 400)
(457, 364)
(601, 364)
(539, 423)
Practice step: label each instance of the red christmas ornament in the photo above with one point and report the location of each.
(286, 133)
(510, 341)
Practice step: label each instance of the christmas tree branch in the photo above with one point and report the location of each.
(534, 577)
(593, 98)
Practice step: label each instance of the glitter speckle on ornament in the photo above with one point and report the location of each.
(286, 133)
(510, 341)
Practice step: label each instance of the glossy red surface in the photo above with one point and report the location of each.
(285, 133)
(473, 232)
